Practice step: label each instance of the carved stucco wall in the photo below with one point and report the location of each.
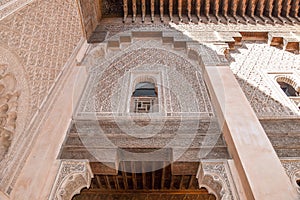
(43, 34)
(292, 168)
(38, 40)
(253, 64)
(215, 176)
(71, 178)
(112, 72)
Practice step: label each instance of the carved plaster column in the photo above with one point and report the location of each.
(73, 175)
(125, 8)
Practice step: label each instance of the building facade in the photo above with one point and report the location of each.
(156, 99)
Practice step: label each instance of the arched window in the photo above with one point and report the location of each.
(288, 89)
(144, 98)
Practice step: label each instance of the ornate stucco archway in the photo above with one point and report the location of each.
(71, 178)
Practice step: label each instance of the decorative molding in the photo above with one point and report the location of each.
(214, 176)
(289, 79)
(292, 168)
(243, 11)
(71, 178)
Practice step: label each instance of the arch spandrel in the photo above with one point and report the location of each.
(214, 177)
(72, 177)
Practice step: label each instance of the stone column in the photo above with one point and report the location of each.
(259, 169)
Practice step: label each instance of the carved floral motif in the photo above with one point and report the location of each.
(251, 64)
(104, 77)
(71, 178)
(213, 176)
(8, 108)
(292, 168)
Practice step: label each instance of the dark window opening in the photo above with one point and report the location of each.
(145, 89)
(288, 89)
(144, 98)
(298, 182)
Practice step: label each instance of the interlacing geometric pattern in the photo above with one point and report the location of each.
(252, 64)
(43, 34)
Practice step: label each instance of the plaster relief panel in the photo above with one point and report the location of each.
(253, 63)
(43, 34)
(182, 89)
(292, 168)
